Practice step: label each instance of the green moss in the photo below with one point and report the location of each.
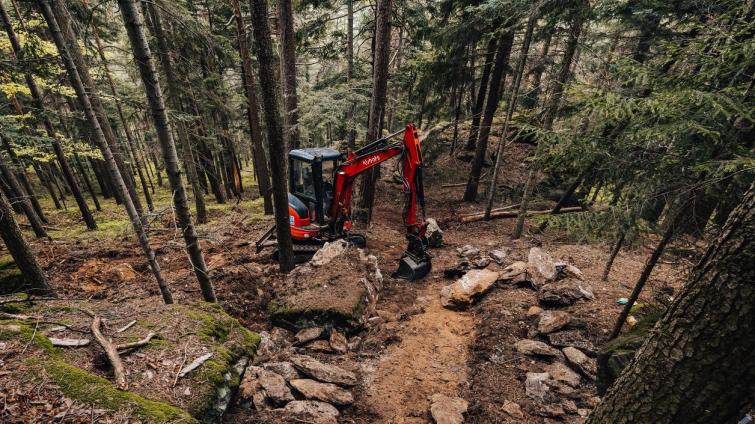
(17, 307)
(26, 334)
(11, 278)
(91, 389)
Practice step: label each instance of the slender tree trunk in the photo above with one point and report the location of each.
(252, 113)
(507, 120)
(21, 251)
(99, 137)
(133, 20)
(533, 96)
(205, 155)
(87, 181)
(480, 100)
(697, 365)
(523, 205)
(277, 146)
(287, 39)
(379, 94)
(351, 133)
(564, 198)
(614, 252)
(22, 200)
(501, 60)
(22, 177)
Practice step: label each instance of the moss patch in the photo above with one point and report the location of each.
(11, 278)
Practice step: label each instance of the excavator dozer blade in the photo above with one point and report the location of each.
(412, 267)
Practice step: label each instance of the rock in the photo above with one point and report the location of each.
(313, 411)
(561, 372)
(534, 311)
(387, 316)
(325, 392)
(338, 342)
(319, 346)
(499, 256)
(568, 270)
(272, 344)
(433, 233)
(328, 252)
(250, 384)
(537, 348)
(564, 293)
(571, 338)
(324, 372)
(513, 409)
(514, 270)
(569, 406)
(553, 411)
(275, 387)
(551, 321)
(482, 263)
(354, 343)
(284, 369)
(541, 267)
(582, 412)
(535, 385)
(308, 334)
(580, 362)
(468, 251)
(447, 410)
(465, 290)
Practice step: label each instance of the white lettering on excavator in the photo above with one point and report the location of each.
(370, 161)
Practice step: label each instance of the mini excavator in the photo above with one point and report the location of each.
(319, 202)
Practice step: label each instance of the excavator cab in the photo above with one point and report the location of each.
(311, 177)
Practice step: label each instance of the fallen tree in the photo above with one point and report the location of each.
(506, 212)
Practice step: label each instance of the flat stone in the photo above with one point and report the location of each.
(552, 411)
(513, 409)
(324, 372)
(499, 256)
(284, 369)
(561, 372)
(541, 266)
(313, 411)
(535, 385)
(338, 342)
(468, 251)
(468, 288)
(326, 392)
(275, 387)
(580, 362)
(306, 335)
(513, 271)
(551, 321)
(569, 406)
(536, 348)
(564, 293)
(447, 410)
(534, 311)
(571, 338)
(568, 270)
(482, 263)
(319, 346)
(433, 233)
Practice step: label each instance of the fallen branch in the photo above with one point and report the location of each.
(112, 354)
(195, 364)
(513, 214)
(126, 327)
(68, 342)
(133, 345)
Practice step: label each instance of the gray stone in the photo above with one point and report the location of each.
(468, 251)
(513, 409)
(551, 321)
(571, 338)
(482, 262)
(447, 410)
(568, 270)
(499, 256)
(284, 369)
(552, 411)
(433, 233)
(328, 252)
(536, 348)
(326, 392)
(535, 385)
(338, 342)
(468, 288)
(564, 293)
(580, 362)
(561, 372)
(514, 270)
(324, 372)
(313, 411)
(308, 334)
(275, 387)
(541, 267)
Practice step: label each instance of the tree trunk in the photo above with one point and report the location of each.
(697, 366)
(528, 185)
(379, 94)
(87, 181)
(205, 155)
(287, 40)
(21, 251)
(480, 101)
(499, 65)
(533, 96)
(252, 113)
(99, 137)
(351, 133)
(507, 120)
(133, 20)
(276, 144)
(20, 199)
(614, 252)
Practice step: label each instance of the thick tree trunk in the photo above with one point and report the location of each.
(379, 93)
(697, 366)
(21, 251)
(351, 133)
(499, 65)
(132, 18)
(480, 100)
(276, 144)
(287, 40)
(99, 137)
(252, 113)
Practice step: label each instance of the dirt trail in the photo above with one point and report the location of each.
(432, 357)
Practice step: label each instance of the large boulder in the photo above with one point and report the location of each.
(564, 293)
(324, 372)
(326, 392)
(468, 288)
(447, 410)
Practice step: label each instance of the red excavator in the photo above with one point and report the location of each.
(319, 205)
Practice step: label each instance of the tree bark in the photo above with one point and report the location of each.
(20, 199)
(614, 252)
(480, 100)
(132, 18)
(287, 40)
(351, 133)
(252, 113)
(276, 144)
(21, 251)
(697, 366)
(499, 65)
(99, 137)
(379, 94)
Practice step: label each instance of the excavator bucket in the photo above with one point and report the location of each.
(412, 267)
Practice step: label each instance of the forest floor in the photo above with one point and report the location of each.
(417, 347)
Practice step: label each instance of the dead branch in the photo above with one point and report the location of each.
(514, 214)
(133, 345)
(112, 354)
(68, 342)
(195, 364)
(126, 327)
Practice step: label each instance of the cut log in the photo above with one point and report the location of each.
(502, 213)
(112, 355)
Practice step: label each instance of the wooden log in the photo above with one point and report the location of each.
(112, 354)
(513, 214)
